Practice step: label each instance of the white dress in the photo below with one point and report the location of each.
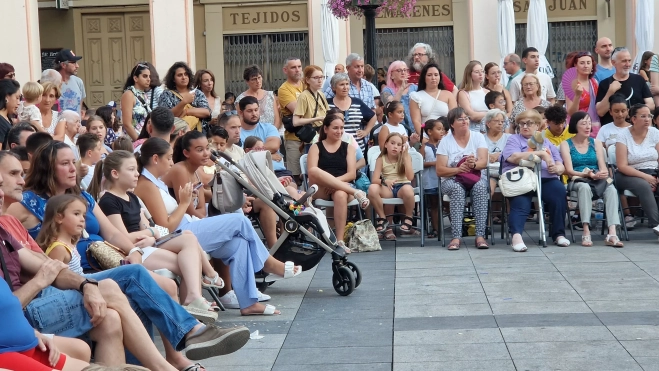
(430, 107)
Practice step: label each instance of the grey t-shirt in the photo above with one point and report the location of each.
(73, 92)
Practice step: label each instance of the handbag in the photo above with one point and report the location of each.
(194, 122)
(597, 187)
(362, 182)
(228, 194)
(288, 124)
(106, 255)
(518, 181)
(362, 237)
(306, 133)
(468, 179)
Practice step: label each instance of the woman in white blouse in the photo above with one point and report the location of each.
(636, 154)
(471, 96)
(50, 117)
(431, 100)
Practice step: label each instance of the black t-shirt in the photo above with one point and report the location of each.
(4, 129)
(130, 212)
(635, 89)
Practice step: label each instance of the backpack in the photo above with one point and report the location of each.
(362, 237)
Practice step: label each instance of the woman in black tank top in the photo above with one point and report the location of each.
(331, 165)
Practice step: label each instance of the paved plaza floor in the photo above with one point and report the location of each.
(426, 308)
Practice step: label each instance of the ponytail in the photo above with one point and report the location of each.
(95, 187)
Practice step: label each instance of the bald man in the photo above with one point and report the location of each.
(339, 68)
(605, 69)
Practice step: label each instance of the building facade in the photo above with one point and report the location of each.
(225, 36)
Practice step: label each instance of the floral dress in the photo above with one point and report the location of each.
(140, 109)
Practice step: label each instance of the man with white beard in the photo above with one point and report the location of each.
(420, 55)
(632, 86)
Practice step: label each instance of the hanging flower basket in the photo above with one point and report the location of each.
(343, 9)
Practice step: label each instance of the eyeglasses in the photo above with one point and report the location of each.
(419, 55)
(528, 84)
(502, 101)
(526, 124)
(645, 117)
(462, 119)
(317, 78)
(402, 70)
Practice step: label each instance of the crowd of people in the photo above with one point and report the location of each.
(129, 173)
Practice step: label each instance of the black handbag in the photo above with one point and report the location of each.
(288, 124)
(597, 187)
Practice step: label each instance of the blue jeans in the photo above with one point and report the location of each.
(62, 312)
(553, 195)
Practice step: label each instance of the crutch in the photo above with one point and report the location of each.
(537, 142)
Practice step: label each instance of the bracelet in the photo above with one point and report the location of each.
(134, 249)
(153, 234)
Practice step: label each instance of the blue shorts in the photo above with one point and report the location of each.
(431, 191)
(60, 312)
(397, 188)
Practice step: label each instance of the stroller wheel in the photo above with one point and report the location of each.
(262, 286)
(356, 272)
(343, 281)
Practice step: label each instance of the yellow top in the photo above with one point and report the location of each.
(306, 107)
(390, 171)
(286, 94)
(557, 140)
(58, 243)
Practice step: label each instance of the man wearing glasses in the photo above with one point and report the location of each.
(73, 89)
(420, 55)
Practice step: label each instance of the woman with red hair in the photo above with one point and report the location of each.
(7, 71)
(584, 87)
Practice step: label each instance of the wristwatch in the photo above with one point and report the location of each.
(86, 281)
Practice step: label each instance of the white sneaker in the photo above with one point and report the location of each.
(230, 300)
(263, 297)
(656, 230)
(520, 247)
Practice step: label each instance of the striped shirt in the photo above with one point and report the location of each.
(357, 113)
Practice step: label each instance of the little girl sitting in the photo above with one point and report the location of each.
(392, 178)
(395, 112)
(435, 129)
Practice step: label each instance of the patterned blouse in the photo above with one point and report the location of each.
(519, 107)
(169, 100)
(266, 106)
(140, 109)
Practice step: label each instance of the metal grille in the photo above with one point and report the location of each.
(564, 37)
(395, 43)
(268, 51)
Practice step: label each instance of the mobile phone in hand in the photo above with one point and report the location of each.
(197, 186)
(168, 237)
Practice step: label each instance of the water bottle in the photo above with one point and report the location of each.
(599, 214)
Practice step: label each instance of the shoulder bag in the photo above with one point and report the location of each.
(468, 179)
(106, 255)
(362, 237)
(518, 181)
(306, 133)
(228, 194)
(194, 123)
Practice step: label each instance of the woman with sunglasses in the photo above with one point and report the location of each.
(636, 157)
(585, 89)
(134, 108)
(553, 190)
(531, 97)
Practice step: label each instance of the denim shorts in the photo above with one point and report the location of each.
(59, 312)
(431, 191)
(397, 188)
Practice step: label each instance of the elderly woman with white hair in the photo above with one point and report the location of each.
(51, 75)
(354, 110)
(398, 88)
(72, 125)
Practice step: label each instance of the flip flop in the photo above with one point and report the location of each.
(195, 367)
(269, 310)
(289, 271)
(482, 244)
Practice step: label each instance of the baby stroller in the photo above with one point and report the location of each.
(306, 236)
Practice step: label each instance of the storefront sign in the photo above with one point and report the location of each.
(270, 18)
(558, 8)
(424, 11)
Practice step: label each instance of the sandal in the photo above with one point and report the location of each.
(381, 225)
(195, 367)
(213, 282)
(289, 271)
(408, 229)
(343, 246)
(363, 200)
(201, 310)
(269, 310)
(432, 234)
(586, 241)
(454, 245)
(389, 235)
(482, 244)
(496, 220)
(613, 240)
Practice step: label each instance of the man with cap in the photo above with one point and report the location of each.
(73, 89)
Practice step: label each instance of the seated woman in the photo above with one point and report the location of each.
(636, 156)
(229, 237)
(96, 125)
(392, 177)
(331, 166)
(583, 157)
(182, 255)
(495, 138)
(553, 190)
(463, 143)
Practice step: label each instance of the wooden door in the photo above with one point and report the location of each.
(112, 43)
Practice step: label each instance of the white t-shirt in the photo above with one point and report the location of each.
(430, 180)
(644, 155)
(73, 146)
(73, 93)
(547, 89)
(477, 102)
(449, 147)
(87, 180)
(609, 133)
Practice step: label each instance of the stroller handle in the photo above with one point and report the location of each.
(215, 154)
(310, 192)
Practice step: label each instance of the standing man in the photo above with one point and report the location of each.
(513, 66)
(288, 93)
(339, 68)
(605, 69)
(632, 86)
(359, 87)
(73, 89)
(531, 59)
(420, 55)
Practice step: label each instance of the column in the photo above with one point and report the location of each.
(22, 49)
(475, 34)
(316, 36)
(172, 33)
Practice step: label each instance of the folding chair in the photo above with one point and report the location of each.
(417, 166)
(611, 152)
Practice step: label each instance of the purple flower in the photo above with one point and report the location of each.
(344, 8)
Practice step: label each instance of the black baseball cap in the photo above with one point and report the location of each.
(66, 55)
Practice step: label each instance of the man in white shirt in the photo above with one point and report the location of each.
(73, 89)
(531, 59)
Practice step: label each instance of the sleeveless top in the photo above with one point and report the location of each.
(580, 160)
(335, 163)
(477, 101)
(390, 171)
(140, 109)
(74, 262)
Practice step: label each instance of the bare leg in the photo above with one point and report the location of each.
(224, 272)
(407, 194)
(374, 196)
(325, 179)
(341, 200)
(268, 220)
(74, 348)
(73, 364)
(109, 336)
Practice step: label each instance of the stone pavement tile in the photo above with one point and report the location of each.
(248, 357)
(431, 255)
(648, 363)
(450, 352)
(623, 305)
(329, 332)
(434, 264)
(641, 253)
(253, 323)
(635, 332)
(492, 288)
(434, 286)
(484, 365)
(630, 319)
(412, 310)
(269, 341)
(553, 351)
(444, 323)
(586, 255)
(486, 276)
(591, 363)
(547, 320)
(349, 354)
(532, 297)
(435, 272)
(632, 289)
(335, 367)
(512, 260)
(515, 269)
(641, 348)
(374, 267)
(540, 307)
(467, 278)
(457, 336)
(443, 299)
(582, 267)
(613, 276)
(551, 334)
(354, 307)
